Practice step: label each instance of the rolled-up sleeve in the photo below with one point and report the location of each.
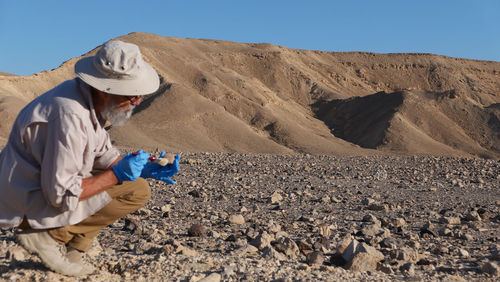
(62, 161)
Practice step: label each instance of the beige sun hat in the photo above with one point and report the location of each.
(118, 68)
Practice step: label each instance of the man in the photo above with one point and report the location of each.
(48, 182)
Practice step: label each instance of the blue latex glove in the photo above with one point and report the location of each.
(158, 172)
(130, 167)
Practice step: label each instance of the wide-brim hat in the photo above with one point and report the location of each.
(118, 68)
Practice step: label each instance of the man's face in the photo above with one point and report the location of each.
(118, 109)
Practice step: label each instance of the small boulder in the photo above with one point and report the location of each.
(236, 219)
(197, 230)
(315, 258)
(491, 268)
(275, 197)
(286, 246)
(362, 257)
(262, 241)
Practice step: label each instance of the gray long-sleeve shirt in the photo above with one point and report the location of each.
(56, 141)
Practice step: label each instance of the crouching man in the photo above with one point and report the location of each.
(46, 185)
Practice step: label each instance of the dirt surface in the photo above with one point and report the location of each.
(236, 217)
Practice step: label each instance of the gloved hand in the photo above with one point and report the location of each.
(158, 172)
(130, 167)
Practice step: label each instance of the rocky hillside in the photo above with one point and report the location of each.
(261, 98)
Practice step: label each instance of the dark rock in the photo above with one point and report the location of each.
(197, 230)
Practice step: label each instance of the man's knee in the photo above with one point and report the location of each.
(142, 192)
(137, 192)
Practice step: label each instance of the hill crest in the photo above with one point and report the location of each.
(261, 98)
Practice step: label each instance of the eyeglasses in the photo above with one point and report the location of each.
(133, 99)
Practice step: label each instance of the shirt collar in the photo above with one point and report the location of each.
(87, 95)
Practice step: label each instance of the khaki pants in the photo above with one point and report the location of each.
(126, 198)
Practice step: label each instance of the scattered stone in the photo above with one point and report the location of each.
(335, 199)
(247, 249)
(367, 201)
(389, 243)
(428, 229)
(132, 225)
(286, 246)
(194, 193)
(273, 227)
(361, 257)
(275, 197)
(473, 216)
(365, 259)
(349, 251)
(213, 277)
(406, 254)
(304, 247)
(189, 252)
(408, 268)
(324, 230)
(374, 230)
(236, 219)
(378, 207)
(197, 230)
(304, 218)
(16, 254)
(387, 269)
(166, 208)
(322, 244)
(495, 252)
(371, 218)
(453, 278)
(491, 268)
(262, 241)
(463, 253)
(342, 245)
(445, 231)
(398, 222)
(271, 254)
(450, 220)
(315, 258)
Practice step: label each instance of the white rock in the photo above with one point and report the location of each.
(166, 208)
(236, 219)
(463, 253)
(16, 253)
(275, 197)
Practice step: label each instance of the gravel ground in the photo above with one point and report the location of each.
(234, 217)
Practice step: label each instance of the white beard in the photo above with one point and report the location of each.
(115, 115)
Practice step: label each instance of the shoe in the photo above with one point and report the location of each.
(51, 253)
(75, 256)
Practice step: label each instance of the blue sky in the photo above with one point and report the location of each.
(40, 35)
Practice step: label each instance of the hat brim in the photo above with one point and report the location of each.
(146, 83)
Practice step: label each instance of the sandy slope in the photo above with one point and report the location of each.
(261, 98)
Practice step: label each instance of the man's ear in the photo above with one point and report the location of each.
(99, 99)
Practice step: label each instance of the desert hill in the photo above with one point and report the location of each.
(261, 98)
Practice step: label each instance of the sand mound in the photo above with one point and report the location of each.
(439, 123)
(262, 98)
